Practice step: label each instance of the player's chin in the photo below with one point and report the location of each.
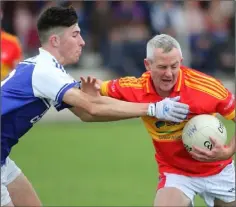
(166, 87)
(74, 60)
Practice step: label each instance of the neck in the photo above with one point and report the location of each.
(163, 94)
(54, 53)
(160, 92)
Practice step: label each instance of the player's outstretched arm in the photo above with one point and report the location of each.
(87, 117)
(102, 106)
(167, 109)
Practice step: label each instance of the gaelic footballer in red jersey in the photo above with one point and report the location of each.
(181, 176)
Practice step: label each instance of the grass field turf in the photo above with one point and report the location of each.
(91, 164)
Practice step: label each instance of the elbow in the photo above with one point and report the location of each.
(92, 110)
(86, 118)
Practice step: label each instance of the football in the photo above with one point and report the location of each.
(198, 130)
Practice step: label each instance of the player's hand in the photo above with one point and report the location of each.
(170, 109)
(217, 153)
(90, 86)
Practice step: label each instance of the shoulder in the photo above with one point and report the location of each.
(204, 83)
(133, 82)
(10, 38)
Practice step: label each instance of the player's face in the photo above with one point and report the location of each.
(71, 44)
(164, 69)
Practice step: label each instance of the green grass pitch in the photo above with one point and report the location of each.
(91, 164)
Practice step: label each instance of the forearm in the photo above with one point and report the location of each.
(105, 100)
(120, 110)
(86, 117)
(109, 107)
(105, 106)
(232, 146)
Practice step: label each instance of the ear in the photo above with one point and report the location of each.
(147, 64)
(54, 40)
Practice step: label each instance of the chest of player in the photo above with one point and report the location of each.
(199, 102)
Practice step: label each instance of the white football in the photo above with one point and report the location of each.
(198, 130)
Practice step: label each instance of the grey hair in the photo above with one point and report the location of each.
(164, 41)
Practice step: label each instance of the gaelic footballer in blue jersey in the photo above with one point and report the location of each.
(40, 82)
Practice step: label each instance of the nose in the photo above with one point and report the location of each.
(168, 72)
(81, 42)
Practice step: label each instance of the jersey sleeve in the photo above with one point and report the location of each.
(226, 107)
(121, 89)
(52, 83)
(61, 106)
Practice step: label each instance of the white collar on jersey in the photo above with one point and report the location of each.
(47, 54)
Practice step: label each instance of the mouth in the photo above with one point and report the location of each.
(166, 80)
(78, 53)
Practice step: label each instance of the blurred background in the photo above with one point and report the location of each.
(104, 166)
(116, 32)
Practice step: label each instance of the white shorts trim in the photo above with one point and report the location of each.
(9, 172)
(220, 186)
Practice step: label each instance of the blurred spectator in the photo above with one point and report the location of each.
(100, 24)
(168, 17)
(128, 38)
(118, 30)
(222, 54)
(7, 21)
(22, 22)
(200, 45)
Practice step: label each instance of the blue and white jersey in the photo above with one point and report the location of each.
(27, 94)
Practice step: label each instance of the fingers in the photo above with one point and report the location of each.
(181, 111)
(174, 119)
(82, 79)
(202, 154)
(177, 115)
(201, 151)
(202, 157)
(177, 98)
(93, 80)
(89, 80)
(181, 105)
(213, 141)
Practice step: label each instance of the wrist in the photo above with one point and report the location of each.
(228, 152)
(151, 109)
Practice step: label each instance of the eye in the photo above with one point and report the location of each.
(162, 67)
(75, 34)
(174, 66)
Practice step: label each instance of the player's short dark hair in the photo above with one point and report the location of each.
(55, 17)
